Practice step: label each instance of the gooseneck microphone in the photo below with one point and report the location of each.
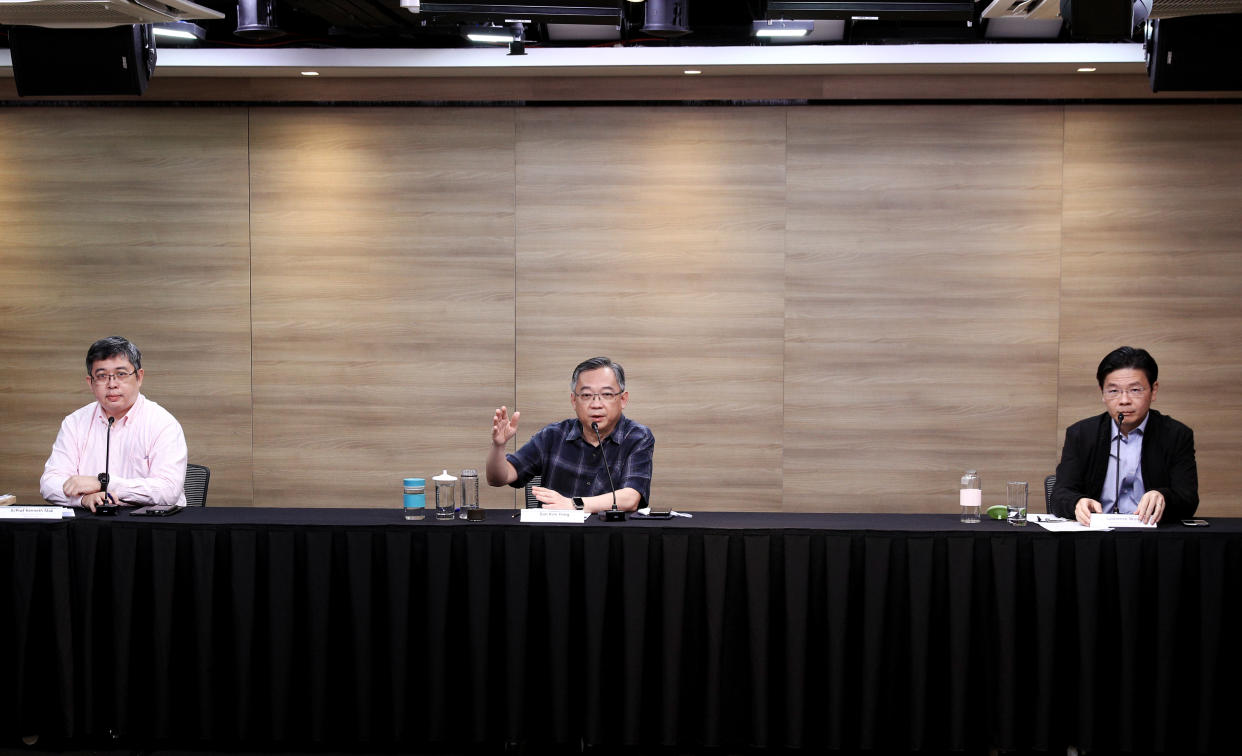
(103, 476)
(1121, 416)
(614, 513)
(106, 507)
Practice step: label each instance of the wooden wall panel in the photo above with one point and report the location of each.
(383, 298)
(821, 308)
(129, 222)
(921, 303)
(673, 86)
(1153, 258)
(655, 236)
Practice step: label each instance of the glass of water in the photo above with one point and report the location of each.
(446, 496)
(1015, 502)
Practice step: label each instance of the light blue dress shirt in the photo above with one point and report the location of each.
(1132, 489)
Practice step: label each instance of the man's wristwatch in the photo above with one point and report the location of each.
(578, 502)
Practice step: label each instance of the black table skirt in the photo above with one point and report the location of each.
(262, 627)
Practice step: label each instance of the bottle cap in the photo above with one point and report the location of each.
(444, 477)
(414, 482)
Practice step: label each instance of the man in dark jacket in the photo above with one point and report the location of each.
(1131, 458)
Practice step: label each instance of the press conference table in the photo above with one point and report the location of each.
(249, 627)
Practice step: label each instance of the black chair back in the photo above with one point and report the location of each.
(531, 501)
(197, 478)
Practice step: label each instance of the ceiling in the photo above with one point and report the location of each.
(440, 24)
(387, 24)
(384, 38)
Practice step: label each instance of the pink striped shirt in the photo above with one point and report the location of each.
(147, 459)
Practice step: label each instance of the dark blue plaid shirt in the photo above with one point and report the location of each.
(572, 467)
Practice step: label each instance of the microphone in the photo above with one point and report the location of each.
(614, 514)
(1121, 416)
(106, 507)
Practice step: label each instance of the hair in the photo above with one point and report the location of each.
(1125, 357)
(595, 363)
(111, 347)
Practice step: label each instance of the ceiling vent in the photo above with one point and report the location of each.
(87, 14)
(548, 11)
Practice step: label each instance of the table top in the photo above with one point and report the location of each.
(724, 521)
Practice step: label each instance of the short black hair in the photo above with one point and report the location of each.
(595, 363)
(111, 347)
(1125, 357)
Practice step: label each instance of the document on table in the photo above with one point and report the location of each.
(1058, 524)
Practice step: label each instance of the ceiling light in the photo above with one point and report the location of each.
(493, 35)
(179, 31)
(1086, 70)
(782, 28)
(310, 73)
(692, 72)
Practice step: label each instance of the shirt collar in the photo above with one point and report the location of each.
(1140, 431)
(134, 411)
(617, 435)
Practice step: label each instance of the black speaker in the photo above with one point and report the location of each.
(1194, 53)
(111, 60)
(667, 18)
(1103, 20)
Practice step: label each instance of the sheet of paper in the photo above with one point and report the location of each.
(1041, 517)
(1065, 526)
(1101, 521)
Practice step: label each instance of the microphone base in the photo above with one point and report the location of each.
(613, 515)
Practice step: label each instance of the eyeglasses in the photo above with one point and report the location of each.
(589, 397)
(119, 376)
(1134, 393)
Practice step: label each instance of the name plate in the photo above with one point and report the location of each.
(555, 516)
(1101, 521)
(34, 513)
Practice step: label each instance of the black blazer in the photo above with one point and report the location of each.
(1168, 464)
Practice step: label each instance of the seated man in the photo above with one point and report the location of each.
(146, 455)
(567, 454)
(1155, 477)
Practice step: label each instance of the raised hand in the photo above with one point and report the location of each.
(504, 427)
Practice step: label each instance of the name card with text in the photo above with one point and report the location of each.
(555, 516)
(35, 513)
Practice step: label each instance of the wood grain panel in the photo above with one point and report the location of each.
(130, 222)
(789, 85)
(921, 303)
(655, 236)
(383, 298)
(1152, 259)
